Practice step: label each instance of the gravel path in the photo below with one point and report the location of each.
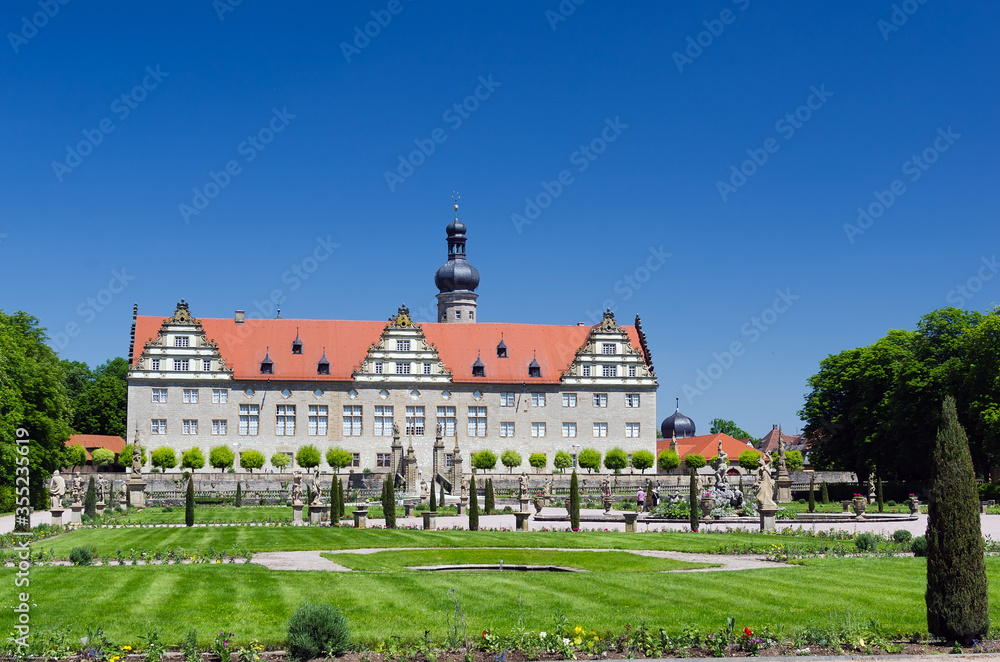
(313, 561)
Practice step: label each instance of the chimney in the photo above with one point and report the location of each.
(239, 319)
(774, 426)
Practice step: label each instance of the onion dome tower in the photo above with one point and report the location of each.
(677, 425)
(457, 280)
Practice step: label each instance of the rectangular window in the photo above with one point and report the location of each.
(317, 420)
(383, 421)
(355, 459)
(609, 371)
(219, 426)
(569, 429)
(586, 371)
(182, 341)
(352, 420)
(189, 426)
(415, 421)
(631, 371)
(383, 460)
(190, 396)
(402, 368)
(402, 345)
(249, 419)
(600, 429)
(206, 365)
(285, 421)
(507, 428)
(378, 368)
(220, 396)
(507, 400)
(608, 348)
(537, 399)
(538, 429)
(449, 460)
(181, 365)
(427, 368)
(477, 421)
(632, 400)
(158, 426)
(631, 430)
(446, 420)
(159, 395)
(155, 364)
(600, 399)
(569, 399)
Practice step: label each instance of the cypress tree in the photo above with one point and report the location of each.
(441, 496)
(90, 499)
(433, 504)
(490, 499)
(649, 495)
(957, 600)
(574, 502)
(334, 502)
(812, 494)
(343, 498)
(824, 493)
(189, 504)
(878, 495)
(473, 505)
(389, 503)
(239, 494)
(693, 499)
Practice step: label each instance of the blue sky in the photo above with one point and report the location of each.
(624, 124)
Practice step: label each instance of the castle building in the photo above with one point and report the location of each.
(373, 388)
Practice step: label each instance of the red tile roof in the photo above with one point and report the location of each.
(346, 342)
(90, 442)
(769, 442)
(706, 445)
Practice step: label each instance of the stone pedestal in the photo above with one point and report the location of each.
(767, 518)
(846, 505)
(297, 513)
(76, 512)
(316, 513)
(57, 516)
(408, 509)
(463, 506)
(521, 519)
(360, 518)
(429, 519)
(630, 521)
(784, 485)
(137, 493)
(525, 503)
(100, 508)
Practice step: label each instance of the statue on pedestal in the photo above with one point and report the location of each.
(102, 489)
(765, 484)
(465, 487)
(721, 467)
(605, 488)
(522, 486)
(78, 489)
(57, 490)
(871, 487)
(297, 488)
(317, 490)
(547, 491)
(425, 490)
(136, 457)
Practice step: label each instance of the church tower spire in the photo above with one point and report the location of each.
(457, 280)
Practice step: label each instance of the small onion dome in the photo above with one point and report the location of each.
(456, 274)
(677, 425)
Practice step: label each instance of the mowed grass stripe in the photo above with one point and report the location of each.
(255, 602)
(395, 561)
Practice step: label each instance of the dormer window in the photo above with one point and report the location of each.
(534, 369)
(502, 349)
(478, 368)
(296, 344)
(267, 366)
(323, 367)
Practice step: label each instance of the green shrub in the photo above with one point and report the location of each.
(90, 499)
(308, 457)
(189, 503)
(615, 460)
(866, 542)
(901, 536)
(510, 459)
(589, 459)
(221, 457)
(193, 459)
(694, 461)
(537, 460)
(484, 459)
(643, 460)
(7, 498)
(317, 631)
(574, 502)
(473, 504)
(749, 459)
(281, 461)
(562, 461)
(668, 460)
(919, 546)
(251, 460)
(81, 556)
(164, 458)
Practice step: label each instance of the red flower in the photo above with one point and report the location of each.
(747, 632)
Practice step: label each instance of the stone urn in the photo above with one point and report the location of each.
(859, 504)
(914, 504)
(539, 504)
(707, 505)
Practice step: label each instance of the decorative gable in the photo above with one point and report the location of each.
(402, 354)
(608, 358)
(181, 350)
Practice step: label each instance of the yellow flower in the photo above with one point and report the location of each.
(578, 629)
(127, 648)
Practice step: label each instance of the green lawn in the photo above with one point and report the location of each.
(259, 539)
(254, 602)
(208, 515)
(593, 561)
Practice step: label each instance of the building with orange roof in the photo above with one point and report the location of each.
(707, 446)
(275, 385)
(92, 442)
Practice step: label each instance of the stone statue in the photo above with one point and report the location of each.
(122, 493)
(547, 490)
(721, 467)
(317, 490)
(871, 487)
(765, 485)
(605, 487)
(102, 489)
(522, 485)
(395, 429)
(465, 487)
(136, 456)
(78, 489)
(425, 490)
(57, 489)
(297, 488)
(782, 467)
